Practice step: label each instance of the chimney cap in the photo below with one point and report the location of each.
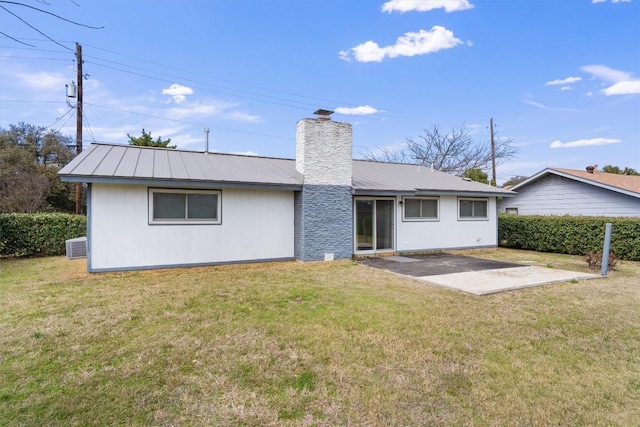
(323, 114)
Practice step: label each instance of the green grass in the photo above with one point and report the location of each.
(318, 344)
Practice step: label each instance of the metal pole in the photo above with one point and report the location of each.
(493, 154)
(206, 147)
(607, 246)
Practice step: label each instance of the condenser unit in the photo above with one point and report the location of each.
(77, 248)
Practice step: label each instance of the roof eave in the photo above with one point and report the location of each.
(179, 183)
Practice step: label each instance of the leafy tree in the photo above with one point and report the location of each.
(453, 152)
(476, 175)
(513, 181)
(619, 171)
(30, 157)
(147, 141)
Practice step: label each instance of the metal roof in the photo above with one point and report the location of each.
(142, 165)
(369, 177)
(625, 184)
(133, 164)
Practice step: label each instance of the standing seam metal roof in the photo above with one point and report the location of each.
(121, 162)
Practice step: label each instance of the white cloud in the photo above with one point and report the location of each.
(565, 88)
(584, 143)
(566, 81)
(624, 88)
(425, 5)
(612, 1)
(243, 117)
(210, 109)
(44, 81)
(178, 92)
(410, 44)
(361, 110)
(544, 107)
(624, 83)
(605, 73)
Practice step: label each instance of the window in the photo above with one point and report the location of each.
(416, 209)
(184, 206)
(472, 209)
(512, 211)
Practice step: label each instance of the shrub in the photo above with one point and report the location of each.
(575, 235)
(594, 260)
(41, 234)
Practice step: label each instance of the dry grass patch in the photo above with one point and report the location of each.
(313, 344)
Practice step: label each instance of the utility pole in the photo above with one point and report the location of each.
(493, 154)
(80, 77)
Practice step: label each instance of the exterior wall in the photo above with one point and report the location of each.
(323, 217)
(556, 195)
(448, 232)
(256, 225)
(324, 206)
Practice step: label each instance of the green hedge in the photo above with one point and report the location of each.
(575, 235)
(41, 234)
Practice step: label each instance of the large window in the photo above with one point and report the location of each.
(420, 208)
(184, 206)
(473, 208)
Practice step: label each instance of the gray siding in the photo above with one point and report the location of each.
(555, 195)
(323, 216)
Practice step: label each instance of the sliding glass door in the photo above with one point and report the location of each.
(374, 224)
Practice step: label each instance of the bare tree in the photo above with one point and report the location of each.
(453, 152)
(23, 191)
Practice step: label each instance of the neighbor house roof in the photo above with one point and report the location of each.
(625, 184)
(142, 165)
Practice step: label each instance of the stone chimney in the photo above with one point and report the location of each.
(324, 207)
(324, 150)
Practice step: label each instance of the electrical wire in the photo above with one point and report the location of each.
(65, 123)
(61, 117)
(88, 126)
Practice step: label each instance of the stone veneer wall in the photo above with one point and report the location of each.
(323, 210)
(323, 223)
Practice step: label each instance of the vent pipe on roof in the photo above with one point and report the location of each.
(206, 140)
(323, 114)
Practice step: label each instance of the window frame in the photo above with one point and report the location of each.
(421, 218)
(473, 217)
(184, 221)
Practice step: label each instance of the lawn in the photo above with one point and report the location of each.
(318, 344)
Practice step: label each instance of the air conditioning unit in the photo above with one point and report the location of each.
(76, 248)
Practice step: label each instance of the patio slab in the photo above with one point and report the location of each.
(473, 275)
(485, 282)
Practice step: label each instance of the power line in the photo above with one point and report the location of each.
(173, 76)
(61, 117)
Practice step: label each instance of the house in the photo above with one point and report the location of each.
(556, 191)
(153, 207)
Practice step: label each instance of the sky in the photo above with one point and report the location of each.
(560, 78)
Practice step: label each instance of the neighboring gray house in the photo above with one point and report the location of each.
(556, 191)
(154, 207)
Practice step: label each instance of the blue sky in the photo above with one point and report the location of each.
(561, 77)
